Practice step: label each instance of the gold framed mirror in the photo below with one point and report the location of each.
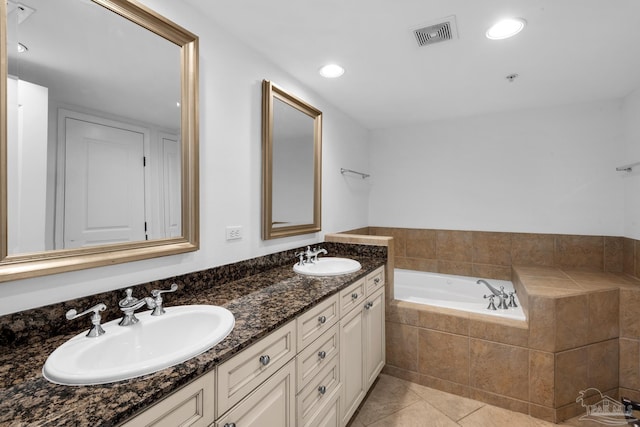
(141, 79)
(291, 164)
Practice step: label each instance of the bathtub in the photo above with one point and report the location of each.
(449, 291)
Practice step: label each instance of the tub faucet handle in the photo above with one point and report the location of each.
(512, 299)
(492, 305)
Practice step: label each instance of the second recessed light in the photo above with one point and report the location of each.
(506, 28)
(331, 71)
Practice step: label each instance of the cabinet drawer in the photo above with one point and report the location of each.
(318, 319)
(271, 404)
(319, 392)
(351, 296)
(375, 281)
(190, 406)
(318, 354)
(328, 416)
(246, 370)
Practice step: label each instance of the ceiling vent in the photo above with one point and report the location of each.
(435, 33)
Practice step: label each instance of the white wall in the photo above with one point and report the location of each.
(631, 114)
(230, 165)
(543, 171)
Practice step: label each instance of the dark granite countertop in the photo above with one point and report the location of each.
(260, 303)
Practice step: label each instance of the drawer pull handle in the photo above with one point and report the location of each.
(322, 389)
(322, 319)
(354, 295)
(230, 425)
(322, 354)
(368, 305)
(264, 360)
(376, 280)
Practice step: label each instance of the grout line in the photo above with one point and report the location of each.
(471, 413)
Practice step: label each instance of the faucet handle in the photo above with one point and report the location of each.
(512, 299)
(492, 305)
(157, 299)
(96, 330)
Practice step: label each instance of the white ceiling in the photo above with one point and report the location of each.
(570, 51)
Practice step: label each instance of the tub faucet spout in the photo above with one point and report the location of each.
(501, 294)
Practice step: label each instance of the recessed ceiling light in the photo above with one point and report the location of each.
(506, 28)
(331, 71)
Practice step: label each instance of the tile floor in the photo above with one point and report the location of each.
(397, 403)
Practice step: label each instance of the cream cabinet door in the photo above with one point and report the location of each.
(352, 333)
(374, 344)
(191, 406)
(271, 404)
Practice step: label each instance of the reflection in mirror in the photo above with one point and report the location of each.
(292, 143)
(99, 135)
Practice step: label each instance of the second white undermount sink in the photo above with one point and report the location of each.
(152, 344)
(328, 266)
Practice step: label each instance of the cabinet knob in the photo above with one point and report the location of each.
(230, 425)
(354, 295)
(264, 360)
(368, 305)
(322, 354)
(322, 389)
(376, 280)
(322, 319)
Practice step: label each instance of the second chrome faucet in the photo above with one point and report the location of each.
(129, 304)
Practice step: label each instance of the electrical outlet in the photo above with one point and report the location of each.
(234, 232)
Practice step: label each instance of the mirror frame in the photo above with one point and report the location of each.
(21, 266)
(270, 92)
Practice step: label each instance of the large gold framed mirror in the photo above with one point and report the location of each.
(291, 164)
(99, 136)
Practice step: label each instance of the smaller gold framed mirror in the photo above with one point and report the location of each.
(291, 164)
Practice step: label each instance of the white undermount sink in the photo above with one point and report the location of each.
(328, 266)
(152, 344)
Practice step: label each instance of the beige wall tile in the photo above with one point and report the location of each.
(532, 249)
(398, 234)
(402, 312)
(402, 346)
(420, 243)
(541, 378)
(486, 271)
(604, 315)
(633, 394)
(629, 319)
(571, 375)
(528, 271)
(499, 331)
(629, 364)
(454, 245)
(491, 248)
(585, 252)
(542, 323)
(444, 322)
(443, 355)
(637, 245)
(613, 254)
(572, 322)
(603, 365)
(417, 264)
(401, 373)
(499, 368)
(455, 267)
(629, 256)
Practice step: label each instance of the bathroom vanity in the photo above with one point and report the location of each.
(313, 371)
(303, 350)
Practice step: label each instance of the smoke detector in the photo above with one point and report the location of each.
(443, 30)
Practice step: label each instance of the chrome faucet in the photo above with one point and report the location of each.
(158, 310)
(310, 255)
(501, 294)
(96, 330)
(129, 304)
